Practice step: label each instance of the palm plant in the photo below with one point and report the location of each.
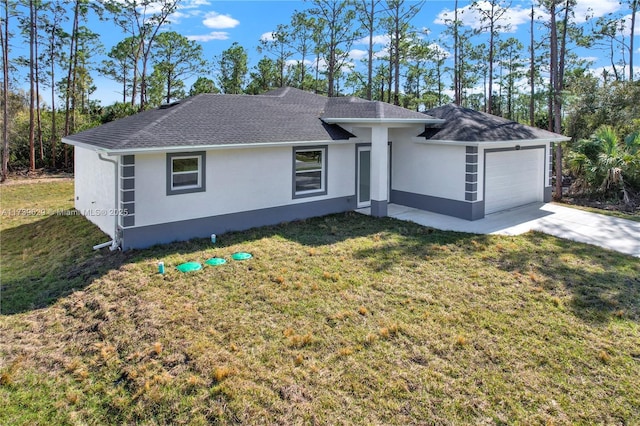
(604, 166)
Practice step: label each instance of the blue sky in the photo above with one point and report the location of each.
(217, 24)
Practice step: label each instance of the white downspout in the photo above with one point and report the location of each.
(113, 244)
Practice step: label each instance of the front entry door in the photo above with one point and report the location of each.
(364, 176)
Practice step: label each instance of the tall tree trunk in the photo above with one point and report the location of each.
(331, 69)
(634, 9)
(302, 69)
(532, 73)
(390, 75)
(168, 87)
(70, 72)
(558, 86)
(32, 89)
(70, 95)
(124, 85)
(439, 83)
(4, 40)
(484, 87)
(317, 72)
(457, 75)
(143, 88)
(282, 64)
(371, 23)
(491, 54)
(134, 82)
(54, 130)
(555, 97)
(36, 66)
(396, 60)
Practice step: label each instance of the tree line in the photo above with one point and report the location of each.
(541, 83)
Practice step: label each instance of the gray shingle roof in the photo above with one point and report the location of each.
(467, 125)
(210, 119)
(283, 115)
(351, 107)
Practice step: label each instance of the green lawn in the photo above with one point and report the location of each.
(345, 319)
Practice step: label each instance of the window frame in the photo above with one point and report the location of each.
(323, 172)
(200, 187)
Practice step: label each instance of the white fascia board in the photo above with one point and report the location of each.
(83, 145)
(389, 122)
(192, 148)
(490, 144)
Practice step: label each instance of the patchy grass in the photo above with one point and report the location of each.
(46, 250)
(345, 319)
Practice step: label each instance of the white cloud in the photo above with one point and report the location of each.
(217, 21)
(471, 17)
(214, 35)
(188, 9)
(591, 59)
(439, 50)
(295, 62)
(377, 39)
(585, 10)
(623, 72)
(150, 9)
(176, 17)
(627, 25)
(358, 54)
(382, 53)
(594, 9)
(194, 4)
(267, 36)
(321, 62)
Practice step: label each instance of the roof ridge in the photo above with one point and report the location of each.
(379, 109)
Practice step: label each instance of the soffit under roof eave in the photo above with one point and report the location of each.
(192, 148)
(387, 122)
(425, 141)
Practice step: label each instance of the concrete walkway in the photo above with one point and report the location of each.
(577, 225)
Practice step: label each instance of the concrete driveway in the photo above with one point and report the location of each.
(605, 231)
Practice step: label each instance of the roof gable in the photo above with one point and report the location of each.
(467, 125)
(356, 108)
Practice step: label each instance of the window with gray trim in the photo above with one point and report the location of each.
(310, 171)
(185, 172)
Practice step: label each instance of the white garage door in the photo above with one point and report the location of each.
(513, 178)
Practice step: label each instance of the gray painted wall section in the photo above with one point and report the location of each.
(462, 209)
(127, 191)
(471, 173)
(379, 208)
(146, 236)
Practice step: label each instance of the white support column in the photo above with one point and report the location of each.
(379, 170)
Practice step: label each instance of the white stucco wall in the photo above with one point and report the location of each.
(434, 170)
(236, 180)
(94, 189)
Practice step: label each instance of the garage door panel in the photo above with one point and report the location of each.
(513, 178)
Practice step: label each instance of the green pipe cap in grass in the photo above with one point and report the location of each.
(214, 261)
(241, 256)
(189, 267)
